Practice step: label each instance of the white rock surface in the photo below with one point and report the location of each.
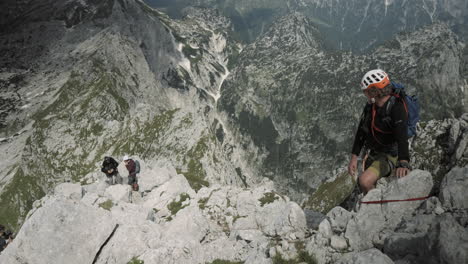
(453, 189)
(338, 243)
(69, 190)
(61, 231)
(225, 223)
(325, 228)
(363, 231)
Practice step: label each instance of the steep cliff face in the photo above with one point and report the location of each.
(90, 79)
(302, 102)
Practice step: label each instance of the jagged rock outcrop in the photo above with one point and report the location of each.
(171, 223)
(441, 146)
(420, 231)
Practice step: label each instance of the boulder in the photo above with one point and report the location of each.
(282, 218)
(429, 239)
(339, 217)
(372, 255)
(313, 218)
(170, 191)
(338, 243)
(150, 178)
(61, 231)
(453, 189)
(325, 228)
(363, 230)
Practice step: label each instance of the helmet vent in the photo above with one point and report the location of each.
(369, 79)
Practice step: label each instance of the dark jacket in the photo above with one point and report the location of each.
(131, 167)
(393, 135)
(108, 164)
(3, 243)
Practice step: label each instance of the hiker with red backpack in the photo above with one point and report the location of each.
(388, 119)
(133, 167)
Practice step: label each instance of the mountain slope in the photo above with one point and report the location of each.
(302, 102)
(357, 25)
(83, 85)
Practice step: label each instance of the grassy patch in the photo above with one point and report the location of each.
(195, 173)
(330, 194)
(18, 197)
(202, 202)
(236, 217)
(145, 140)
(267, 198)
(107, 205)
(175, 206)
(135, 260)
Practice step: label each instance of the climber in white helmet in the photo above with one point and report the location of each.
(382, 133)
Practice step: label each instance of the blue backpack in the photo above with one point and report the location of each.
(411, 105)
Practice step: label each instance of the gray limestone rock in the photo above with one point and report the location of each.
(313, 218)
(339, 243)
(69, 190)
(453, 189)
(61, 231)
(363, 230)
(118, 192)
(372, 255)
(429, 239)
(339, 218)
(325, 228)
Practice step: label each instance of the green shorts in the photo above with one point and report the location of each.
(381, 164)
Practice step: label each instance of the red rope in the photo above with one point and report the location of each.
(392, 201)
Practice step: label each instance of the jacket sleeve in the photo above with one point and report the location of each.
(400, 130)
(360, 136)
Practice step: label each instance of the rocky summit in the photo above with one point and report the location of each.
(168, 222)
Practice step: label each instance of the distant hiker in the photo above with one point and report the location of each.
(133, 168)
(109, 167)
(3, 244)
(382, 132)
(6, 237)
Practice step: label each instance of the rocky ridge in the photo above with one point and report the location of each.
(168, 222)
(357, 25)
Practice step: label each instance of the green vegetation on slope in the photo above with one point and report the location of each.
(330, 194)
(17, 198)
(195, 174)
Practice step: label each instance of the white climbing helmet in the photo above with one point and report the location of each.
(126, 158)
(375, 79)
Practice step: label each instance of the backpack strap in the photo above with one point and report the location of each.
(396, 96)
